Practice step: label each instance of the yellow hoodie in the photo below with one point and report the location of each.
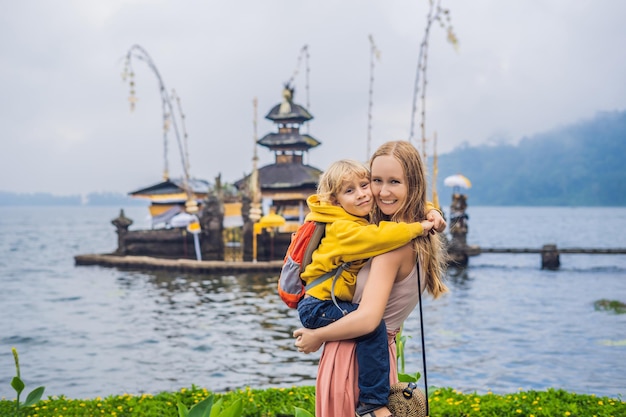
(352, 239)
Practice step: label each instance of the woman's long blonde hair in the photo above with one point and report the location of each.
(430, 248)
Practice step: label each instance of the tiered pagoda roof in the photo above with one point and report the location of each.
(288, 173)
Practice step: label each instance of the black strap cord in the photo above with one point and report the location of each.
(419, 292)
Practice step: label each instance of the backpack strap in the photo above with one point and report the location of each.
(314, 242)
(317, 281)
(335, 273)
(341, 268)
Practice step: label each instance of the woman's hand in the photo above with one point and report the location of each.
(306, 341)
(436, 217)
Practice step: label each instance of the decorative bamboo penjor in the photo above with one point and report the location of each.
(170, 116)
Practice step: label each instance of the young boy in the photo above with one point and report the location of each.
(344, 201)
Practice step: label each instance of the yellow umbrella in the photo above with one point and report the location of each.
(271, 220)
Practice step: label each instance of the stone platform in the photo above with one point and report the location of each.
(182, 265)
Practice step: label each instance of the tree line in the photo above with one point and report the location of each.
(576, 165)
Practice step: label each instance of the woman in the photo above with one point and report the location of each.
(398, 183)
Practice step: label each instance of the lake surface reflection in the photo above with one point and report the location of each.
(506, 324)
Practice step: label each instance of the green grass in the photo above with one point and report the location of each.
(613, 306)
(279, 402)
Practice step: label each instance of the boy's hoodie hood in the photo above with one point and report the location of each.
(328, 213)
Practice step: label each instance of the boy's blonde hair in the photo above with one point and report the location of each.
(338, 172)
(430, 247)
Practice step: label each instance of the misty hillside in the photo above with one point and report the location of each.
(577, 165)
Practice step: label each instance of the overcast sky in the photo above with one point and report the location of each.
(522, 67)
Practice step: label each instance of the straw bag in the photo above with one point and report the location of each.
(405, 399)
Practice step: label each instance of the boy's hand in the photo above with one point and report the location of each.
(436, 217)
(428, 226)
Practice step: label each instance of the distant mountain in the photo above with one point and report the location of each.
(113, 199)
(37, 199)
(577, 165)
(47, 199)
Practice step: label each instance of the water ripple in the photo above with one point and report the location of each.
(505, 324)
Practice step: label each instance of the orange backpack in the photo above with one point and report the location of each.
(304, 241)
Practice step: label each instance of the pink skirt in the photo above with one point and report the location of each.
(336, 388)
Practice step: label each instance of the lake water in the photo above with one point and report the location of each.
(506, 324)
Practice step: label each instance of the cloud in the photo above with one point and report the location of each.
(521, 67)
